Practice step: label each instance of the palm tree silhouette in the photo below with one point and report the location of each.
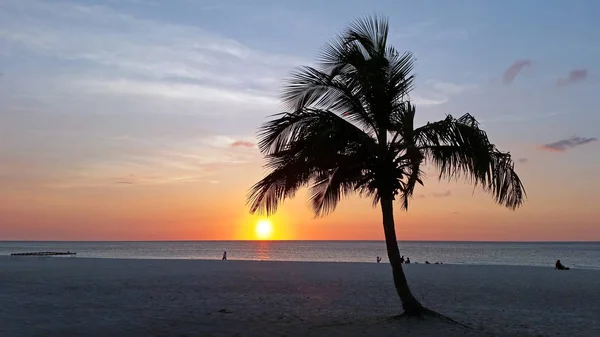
(351, 129)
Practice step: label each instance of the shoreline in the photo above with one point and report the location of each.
(550, 265)
(579, 256)
(137, 297)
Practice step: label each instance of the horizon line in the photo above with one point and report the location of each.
(322, 240)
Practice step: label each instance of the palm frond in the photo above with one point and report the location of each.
(332, 185)
(403, 148)
(402, 122)
(308, 124)
(413, 172)
(358, 76)
(460, 149)
(401, 79)
(334, 91)
(370, 33)
(310, 146)
(281, 183)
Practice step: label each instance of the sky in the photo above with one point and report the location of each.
(137, 119)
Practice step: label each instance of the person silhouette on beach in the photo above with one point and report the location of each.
(408, 260)
(224, 255)
(402, 259)
(560, 266)
(378, 259)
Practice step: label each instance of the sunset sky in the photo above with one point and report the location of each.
(136, 119)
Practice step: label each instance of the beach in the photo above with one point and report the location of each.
(64, 296)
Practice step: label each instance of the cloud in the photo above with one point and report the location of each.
(574, 76)
(514, 70)
(242, 143)
(110, 98)
(451, 88)
(132, 54)
(127, 180)
(178, 91)
(435, 92)
(522, 160)
(442, 195)
(105, 41)
(421, 101)
(565, 144)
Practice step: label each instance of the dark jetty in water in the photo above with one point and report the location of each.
(42, 254)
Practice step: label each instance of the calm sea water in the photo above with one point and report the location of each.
(573, 254)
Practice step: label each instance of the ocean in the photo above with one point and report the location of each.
(573, 254)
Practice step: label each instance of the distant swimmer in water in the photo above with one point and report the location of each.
(378, 259)
(560, 266)
(224, 255)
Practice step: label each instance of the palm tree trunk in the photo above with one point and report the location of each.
(411, 306)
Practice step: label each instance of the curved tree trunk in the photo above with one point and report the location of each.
(411, 306)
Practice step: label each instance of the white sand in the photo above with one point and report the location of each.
(105, 297)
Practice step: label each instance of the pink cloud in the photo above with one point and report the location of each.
(242, 143)
(574, 76)
(514, 70)
(565, 144)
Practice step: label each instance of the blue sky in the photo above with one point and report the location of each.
(93, 93)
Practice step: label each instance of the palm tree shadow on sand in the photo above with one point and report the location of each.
(350, 129)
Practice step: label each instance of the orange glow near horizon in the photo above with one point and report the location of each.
(201, 211)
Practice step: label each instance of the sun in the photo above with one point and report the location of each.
(263, 229)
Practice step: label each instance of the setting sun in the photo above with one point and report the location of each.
(263, 229)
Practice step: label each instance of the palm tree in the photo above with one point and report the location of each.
(350, 128)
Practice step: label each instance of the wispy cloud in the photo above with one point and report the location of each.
(123, 182)
(442, 194)
(117, 99)
(448, 88)
(177, 91)
(565, 144)
(511, 73)
(137, 46)
(574, 76)
(242, 143)
(170, 164)
(434, 92)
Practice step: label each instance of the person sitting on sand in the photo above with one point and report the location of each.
(408, 260)
(224, 255)
(560, 266)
